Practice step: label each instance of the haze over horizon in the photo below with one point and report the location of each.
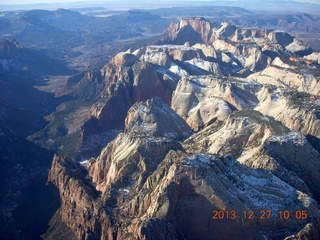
(309, 6)
(9, 2)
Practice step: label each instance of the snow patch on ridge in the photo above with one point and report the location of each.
(174, 68)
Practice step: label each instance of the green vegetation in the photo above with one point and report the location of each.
(232, 79)
(275, 126)
(298, 98)
(56, 133)
(302, 100)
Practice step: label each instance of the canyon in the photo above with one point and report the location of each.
(242, 134)
(137, 128)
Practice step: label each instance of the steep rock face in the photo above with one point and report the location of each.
(154, 71)
(295, 79)
(278, 62)
(251, 49)
(123, 59)
(199, 66)
(145, 182)
(205, 99)
(128, 153)
(280, 37)
(208, 32)
(247, 34)
(192, 30)
(207, 49)
(126, 162)
(127, 81)
(315, 56)
(110, 114)
(298, 47)
(141, 74)
(226, 30)
(149, 119)
(155, 55)
(301, 116)
(78, 206)
(259, 141)
(179, 200)
(194, 187)
(147, 84)
(249, 56)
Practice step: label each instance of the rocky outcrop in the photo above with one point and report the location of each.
(278, 62)
(207, 49)
(289, 78)
(149, 119)
(78, 206)
(247, 56)
(261, 142)
(315, 56)
(190, 191)
(250, 49)
(299, 48)
(123, 59)
(192, 30)
(296, 110)
(247, 163)
(145, 182)
(152, 186)
(128, 80)
(153, 121)
(127, 160)
(154, 71)
(280, 37)
(310, 231)
(205, 99)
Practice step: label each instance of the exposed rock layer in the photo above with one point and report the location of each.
(238, 91)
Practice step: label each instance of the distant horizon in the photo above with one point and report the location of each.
(31, 2)
(280, 6)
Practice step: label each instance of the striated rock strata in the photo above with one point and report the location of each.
(238, 147)
(146, 183)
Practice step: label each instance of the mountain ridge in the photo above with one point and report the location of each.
(221, 147)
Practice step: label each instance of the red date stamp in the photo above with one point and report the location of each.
(262, 214)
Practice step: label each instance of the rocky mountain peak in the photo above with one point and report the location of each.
(226, 30)
(199, 24)
(155, 119)
(249, 105)
(198, 29)
(123, 59)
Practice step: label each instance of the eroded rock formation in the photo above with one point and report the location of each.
(145, 182)
(235, 142)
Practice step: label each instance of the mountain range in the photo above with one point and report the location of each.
(242, 135)
(146, 129)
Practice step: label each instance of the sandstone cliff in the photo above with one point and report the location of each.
(151, 129)
(205, 99)
(241, 139)
(250, 55)
(192, 30)
(145, 182)
(294, 109)
(259, 141)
